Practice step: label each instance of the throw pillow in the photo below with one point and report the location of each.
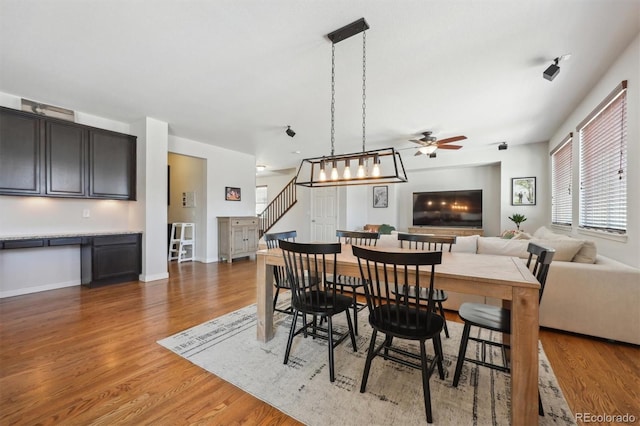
(507, 235)
(385, 229)
(371, 228)
(587, 254)
(566, 249)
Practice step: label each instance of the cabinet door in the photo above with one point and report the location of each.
(20, 153)
(239, 245)
(112, 165)
(66, 159)
(252, 238)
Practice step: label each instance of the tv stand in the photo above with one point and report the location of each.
(445, 230)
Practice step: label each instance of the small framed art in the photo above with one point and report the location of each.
(380, 196)
(523, 191)
(232, 194)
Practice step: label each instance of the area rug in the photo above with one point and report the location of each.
(227, 347)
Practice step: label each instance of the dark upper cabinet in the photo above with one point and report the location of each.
(20, 153)
(51, 157)
(112, 165)
(65, 159)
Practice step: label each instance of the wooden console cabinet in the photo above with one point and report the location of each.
(436, 230)
(111, 259)
(237, 237)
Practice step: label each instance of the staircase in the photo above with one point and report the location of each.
(278, 207)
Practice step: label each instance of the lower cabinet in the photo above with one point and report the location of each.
(110, 259)
(237, 237)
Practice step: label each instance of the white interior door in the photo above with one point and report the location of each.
(324, 217)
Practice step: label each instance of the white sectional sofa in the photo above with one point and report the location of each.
(585, 293)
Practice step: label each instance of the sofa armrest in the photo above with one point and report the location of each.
(598, 299)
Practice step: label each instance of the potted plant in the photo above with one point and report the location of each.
(517, 218)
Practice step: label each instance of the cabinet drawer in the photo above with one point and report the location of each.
(108, 240)
(23, 244)
(244, 222)
(65, 241)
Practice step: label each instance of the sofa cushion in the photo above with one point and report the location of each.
(497, 245)
(468, 244)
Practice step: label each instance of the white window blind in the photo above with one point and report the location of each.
(603, 165)
(561, 173)
(262, 199)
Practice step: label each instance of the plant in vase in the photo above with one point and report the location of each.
(517, 218)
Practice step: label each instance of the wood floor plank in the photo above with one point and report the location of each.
(89, 356)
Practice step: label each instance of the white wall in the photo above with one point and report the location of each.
(224, 168)
(626, 67)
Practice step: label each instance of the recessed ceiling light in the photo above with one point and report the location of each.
(295, 152)
(260, 167)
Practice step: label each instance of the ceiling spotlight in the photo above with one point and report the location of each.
(552, 71)
(290, 132)
(502, 146)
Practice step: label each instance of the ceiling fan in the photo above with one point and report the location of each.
(429, 143)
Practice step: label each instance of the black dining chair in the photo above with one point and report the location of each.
(498, 319)
(307, 267)
(361, 238)
(398, 318)
(279, 273)
(429, 242)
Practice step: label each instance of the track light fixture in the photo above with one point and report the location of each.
(552, 71)
(502, 146)
(290, 132)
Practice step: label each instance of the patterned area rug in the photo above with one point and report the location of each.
(227, 347)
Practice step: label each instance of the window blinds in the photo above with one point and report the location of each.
(561, 173)
(603, 162)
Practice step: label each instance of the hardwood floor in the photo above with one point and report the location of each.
(78, 356)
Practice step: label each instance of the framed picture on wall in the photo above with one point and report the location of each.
(523, 191)
(232, 194)
(380, 196)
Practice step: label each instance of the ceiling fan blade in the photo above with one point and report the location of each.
(449, 147)
(453, 139)
(418, 153)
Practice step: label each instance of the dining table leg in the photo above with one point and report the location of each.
(524, 356)
(264, 300)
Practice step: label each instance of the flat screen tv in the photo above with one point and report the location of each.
(448, 208)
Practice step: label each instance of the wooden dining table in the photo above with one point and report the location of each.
(500, 277)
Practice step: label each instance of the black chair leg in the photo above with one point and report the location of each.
(367, 365)
(275, 298)
(351, 331)
(540, 408)
(446, 330)
(332, 377)
(425, 382)
(437, 347)
(292, 332)
(461, 354)
(355, 313)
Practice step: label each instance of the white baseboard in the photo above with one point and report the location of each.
(154, 277)
(37, 289)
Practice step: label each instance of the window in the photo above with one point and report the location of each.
(603, 162)
(262, 200)
(561, 172)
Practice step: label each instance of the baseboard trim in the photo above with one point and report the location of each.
(38, 289)
(153, 277)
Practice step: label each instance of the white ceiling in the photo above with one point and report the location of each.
(235, 73)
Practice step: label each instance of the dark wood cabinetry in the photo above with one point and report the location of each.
(20, 153)
(111, 258)
(51, 157)
(112, 165)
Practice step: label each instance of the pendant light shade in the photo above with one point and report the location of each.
(386, 164)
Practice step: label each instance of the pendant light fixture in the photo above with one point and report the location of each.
(374, 166)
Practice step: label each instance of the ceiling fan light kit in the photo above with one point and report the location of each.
(430, 144)
(374, 166)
